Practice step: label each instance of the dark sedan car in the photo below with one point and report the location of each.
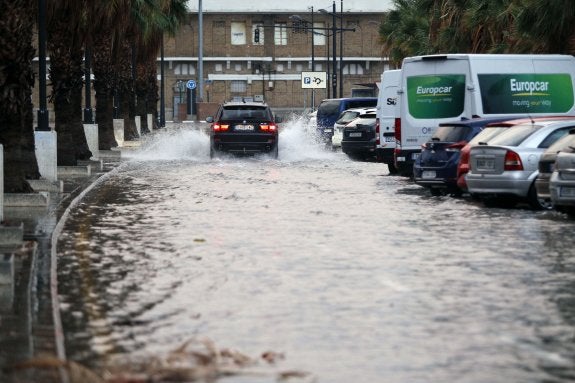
(436, 166)
(243, 128)
(359, 139)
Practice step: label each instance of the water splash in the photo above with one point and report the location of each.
(297, 142)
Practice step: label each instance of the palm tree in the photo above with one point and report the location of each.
(17, 19)
(66, 33)
(546, 27)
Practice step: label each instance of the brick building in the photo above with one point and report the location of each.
(237, 64)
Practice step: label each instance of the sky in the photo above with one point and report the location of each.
(289, 6)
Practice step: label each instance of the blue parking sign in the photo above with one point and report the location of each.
(191, 84)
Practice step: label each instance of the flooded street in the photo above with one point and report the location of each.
(349, 273)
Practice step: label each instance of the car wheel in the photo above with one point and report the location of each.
(392, 169)
(570, 211)
(537, 203)
(275, 152)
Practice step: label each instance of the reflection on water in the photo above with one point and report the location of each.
(352, 274)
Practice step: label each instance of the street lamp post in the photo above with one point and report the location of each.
(334, 47)
(162, 92)
(43, 117)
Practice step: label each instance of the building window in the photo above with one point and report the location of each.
(318, 67)
(238, 86)
(260, 33)
(184, 69)
(280, 34)
(280, 67)
(218, 67)
(299, 68)
(319, 34)
(238, 67)
(353, 69)
(238, 33)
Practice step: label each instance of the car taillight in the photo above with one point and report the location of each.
(464, 159)
(512, 161)
(377, 140)
(268, 127)
(219, 127)
(398, 129)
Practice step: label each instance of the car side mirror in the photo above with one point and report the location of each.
(209, 119)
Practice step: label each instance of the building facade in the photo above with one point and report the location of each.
(263, 56)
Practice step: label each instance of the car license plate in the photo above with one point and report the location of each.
(355, 134)
(428, 174)
(389, 139)
(327, 130)
(244, 127)
(566, 191)
(485, 163)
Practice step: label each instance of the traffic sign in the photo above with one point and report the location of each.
(191, 84)
(313, 80)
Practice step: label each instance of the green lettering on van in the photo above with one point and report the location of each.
(436, 96)
(526, 93)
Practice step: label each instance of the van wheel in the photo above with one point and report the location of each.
(535, 202)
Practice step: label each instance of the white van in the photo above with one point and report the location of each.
(440, 88)
(387, 112)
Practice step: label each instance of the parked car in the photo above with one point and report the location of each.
(359, 138)
(345, 118)
(436, 166)
(547, 162)
(329, 110)
(489, 132)
(562, 182)
(503, 171)
(243, 128)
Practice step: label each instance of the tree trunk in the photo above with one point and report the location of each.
(17, 19)
(104, 83)
(66, 54)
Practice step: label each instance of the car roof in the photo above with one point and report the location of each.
(476, 121)
(247, 103)
(543, 120)
(364, 110)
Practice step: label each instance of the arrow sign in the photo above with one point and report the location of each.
(313, 80)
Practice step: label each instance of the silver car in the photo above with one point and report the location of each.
(503, 172)
(562, 182)
(547, 162)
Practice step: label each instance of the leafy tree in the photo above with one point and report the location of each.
(17, 20)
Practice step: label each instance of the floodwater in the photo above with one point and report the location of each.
(340, 270)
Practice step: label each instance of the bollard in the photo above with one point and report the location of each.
(138, 120)
(91, 132)
(150, 122)
(46, 154)
(119, 131)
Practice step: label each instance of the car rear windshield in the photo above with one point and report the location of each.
(347, 117)
(565, 142)
(515, 135)
(451, 133)
(362, 121)
(328, 107)
(245, 113)
(487, 134)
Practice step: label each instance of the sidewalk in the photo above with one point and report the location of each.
(30, 328)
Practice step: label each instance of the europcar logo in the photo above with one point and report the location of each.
(526, 93)
(436, 96)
